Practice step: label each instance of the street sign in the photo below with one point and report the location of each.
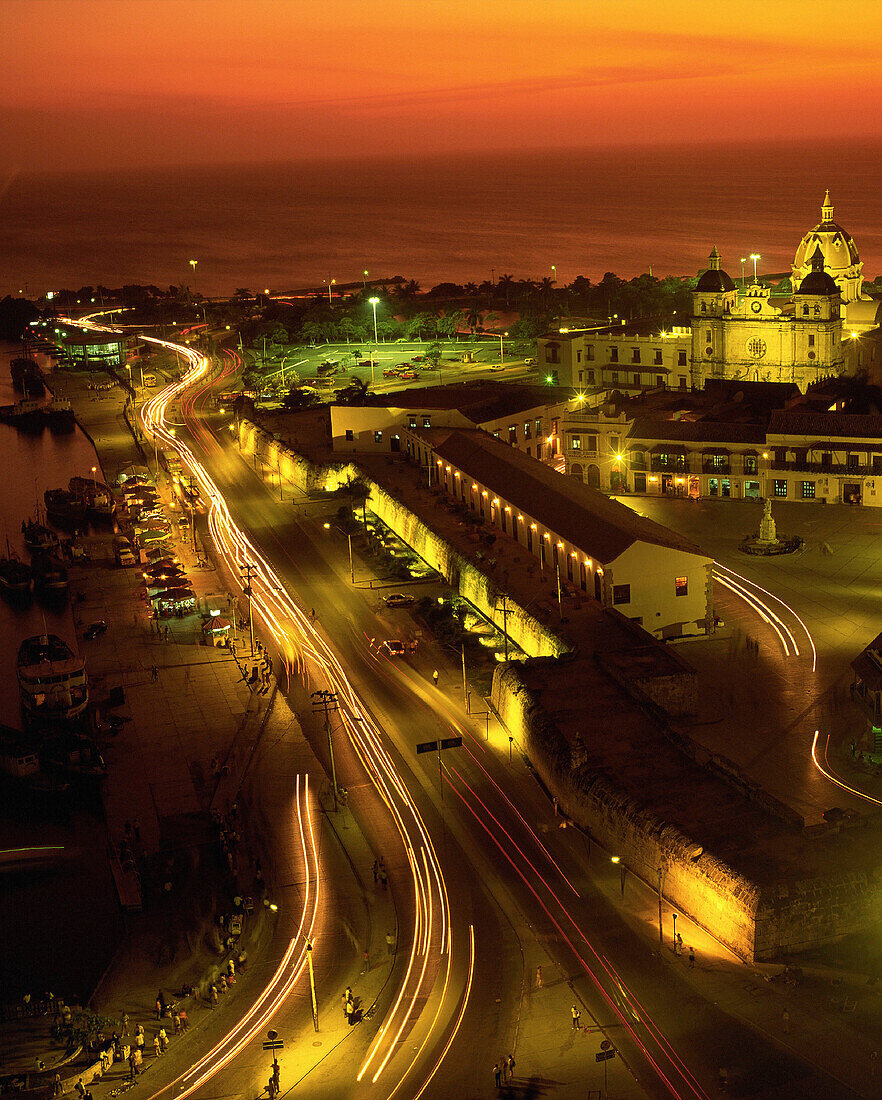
(451, 742)
(273, 1034)
(605, 1045)
(274, 1044)
(604, 1055)
(427, 746)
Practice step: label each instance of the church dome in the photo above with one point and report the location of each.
(715, 280)
(841, 259)
(818, 281)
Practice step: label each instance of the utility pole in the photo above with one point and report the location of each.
(505, 623)
(327, 701)
(247, 569)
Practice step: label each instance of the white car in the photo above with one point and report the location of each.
(398, 599)
(394, 648)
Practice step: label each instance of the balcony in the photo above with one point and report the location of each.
(674, 465)
(840, 468)
(716, 468)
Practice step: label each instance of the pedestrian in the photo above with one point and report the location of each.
(853, 747)
(348, 1009)
(163, 1040)
(185, 1022)
(679, 950)
(384, 878)
(176, 1022)
(576, 1013)
(132, 1066)
(271, 1089)
(213, 994)
(785, 1016)
(497, 1075)
(390, 943)
(510, 1067)
(538, 977)
(139, 1037)
(347, 994)
(691, 958)
(158, 1009)
(57, 1087)
(154, 674)
(277, 1075)
(139, 1060)
(376, 872)
(435, 677)
(81, 1088)
(125, 1023)
(556, 806)
(156, 1048)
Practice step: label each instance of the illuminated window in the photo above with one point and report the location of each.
(621, 593)
(781, 487)
(681, 586)
(411, 422)
(378, 437)
(427, 422)
(350, 435)
(808, 490)
(512, 433)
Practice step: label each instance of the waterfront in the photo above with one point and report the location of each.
(462, 218)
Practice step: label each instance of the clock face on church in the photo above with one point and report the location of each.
(757, 307)
(756, 348)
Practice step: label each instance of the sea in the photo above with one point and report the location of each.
(454, 218)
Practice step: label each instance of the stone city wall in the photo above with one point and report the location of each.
(523, 629)
(713, 894)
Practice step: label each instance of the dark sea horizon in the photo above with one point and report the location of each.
(453, 218)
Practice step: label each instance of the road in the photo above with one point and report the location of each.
(517, 879)
(484, 884)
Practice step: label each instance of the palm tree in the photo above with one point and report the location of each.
(506, 282)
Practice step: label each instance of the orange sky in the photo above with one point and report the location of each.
(127, 82)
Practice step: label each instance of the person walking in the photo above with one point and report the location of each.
(163, 1040)
(510, 1068)
(185, 1022)
(376, 872)
(158, 1009)
(384, 878)
(80, 1088)
(139, 1037)
(786, 1020)
(390, 943)
(435, 677)
(277, 1075)
(132, 1071)
(125, 1023)
(213, 994)
(57, 1087)
(538, 977)
(156, 1049)
(176, 1022)
(679, 950)
(348, 1010)
(576, 1013)
(497, 1075)
(691, 958)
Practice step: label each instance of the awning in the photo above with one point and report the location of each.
(216, 625)
(715, 451)
(668, 449)
(840, 445)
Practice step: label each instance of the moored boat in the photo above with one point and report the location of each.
(26, 376)
(64, 506)
(26, 415)
(52, 679)
(38, 537)
(50, 574)
(16, 577)
(98, 496)
(60, 415)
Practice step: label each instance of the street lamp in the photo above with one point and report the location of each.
(331, 282)
(327, 527)
(553, 273)
(374, 303)
(743, 262)
(365, 274)
(501, 353)
(95, 478)
(193, 264)
(755, 256)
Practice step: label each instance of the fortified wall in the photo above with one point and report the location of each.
(744, 869)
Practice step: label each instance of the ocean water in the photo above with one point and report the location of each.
(457, 218)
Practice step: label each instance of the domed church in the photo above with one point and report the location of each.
(744, 333)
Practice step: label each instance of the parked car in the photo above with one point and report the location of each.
(94, 630)
(529, 362)
(398, 599)
(408, 375)
(394, 648)
(417, 358)
(390, 372)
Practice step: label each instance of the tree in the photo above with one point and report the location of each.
(506, 282)
(473, 317)
(358, 492)
(298, 399)
(354, 394)
(433, 354)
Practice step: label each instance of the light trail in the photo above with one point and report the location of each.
(828, 773)
(744, 581)
(763, 610)
(303, 648)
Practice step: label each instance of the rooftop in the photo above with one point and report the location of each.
(697, 431)
(585, 517)
(480, 401)
(825, 425)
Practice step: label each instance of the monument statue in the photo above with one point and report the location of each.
(767, 529)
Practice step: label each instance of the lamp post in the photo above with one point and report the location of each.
(364, 274)
(193, 264)
(553, 273)
(95, 478)
(327, 527)
(374, 303)
(621, 865)
(674, 915)
(502, 335)
(743, 262)
(661, 935)
(755, 256)
(331, 282)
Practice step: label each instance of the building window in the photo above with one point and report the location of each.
(613, 355)
(591, 377)
(427, 422)
(635, 355)
(658, 357)
(707, 336)
(636, 379)
(552, 353)
(615, 377)
(614, 443)
(537, 424)
(578, 357)
(621, 593)
(681, 586)
(719, 461)
(591, 444)
(681, 381)
(852, 463)
(411, 422)
(528, 433)
(513, 434)
(808, 490)
(660, 381)
(530, 452)
(704, 307)
(350, 435)
(780, 487)
(575, 443)
(681, 358)
(811, 341)
(378, 437)
(805, 311)
(750, 464)
(496, 434)
(589, 353)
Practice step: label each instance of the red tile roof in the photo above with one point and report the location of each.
(601, 527)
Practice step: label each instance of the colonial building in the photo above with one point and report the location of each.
(575, 534)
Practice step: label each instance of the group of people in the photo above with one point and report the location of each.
(349, 1006)
(380, 874)
(503, 1071)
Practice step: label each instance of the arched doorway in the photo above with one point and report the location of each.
(594, 476)
(576, 470)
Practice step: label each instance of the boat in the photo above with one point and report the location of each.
(38, 537)
(26, 415)
(64, 506)
(98, 496)
(16, 577)
(26, 376)
(52, 679)
(60, 415)
(75, 756)
(50, 574)
(20, 762)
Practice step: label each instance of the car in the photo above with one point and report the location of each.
(366, 363)
(408, 376)
(394, 648)
(529, 362)
(398, 599)
(417, 358)
(94, 630)
(390, 372)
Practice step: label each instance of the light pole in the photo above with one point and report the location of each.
(661, 935)
(502, 335)
(327, 701)
(312, 984)
(95, 479)
(193, 264)
(674, 915)
(743, 262)
(327, 527)
(365, 274)
(553, 273)
(331, 282)
(755, 256)
(374, 303)
(247, 569)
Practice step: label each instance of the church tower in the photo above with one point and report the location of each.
(817, 321)
(713, 300)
